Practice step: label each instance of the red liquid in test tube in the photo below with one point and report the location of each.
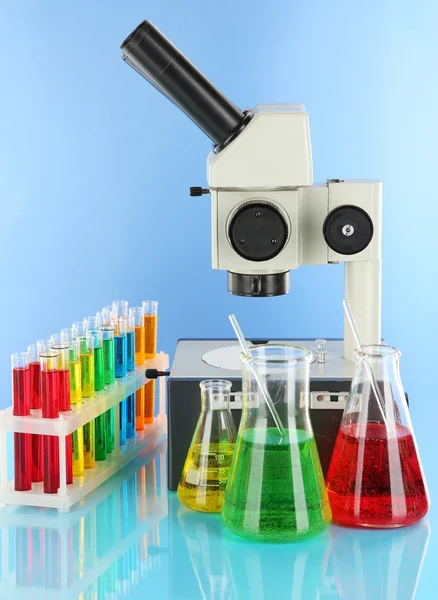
(21, 407)
(64, 405)
(50, 410)
(35, 404)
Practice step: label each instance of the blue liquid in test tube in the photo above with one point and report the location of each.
(121, 369)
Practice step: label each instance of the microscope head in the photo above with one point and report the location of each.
(153, 56)
(259, 160)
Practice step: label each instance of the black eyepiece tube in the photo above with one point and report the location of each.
(150, 53)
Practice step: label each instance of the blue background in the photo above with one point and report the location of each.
(95, 165)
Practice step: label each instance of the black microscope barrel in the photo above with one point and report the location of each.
(152, 55)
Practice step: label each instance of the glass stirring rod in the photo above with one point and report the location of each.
(368, 368)
(264, 391)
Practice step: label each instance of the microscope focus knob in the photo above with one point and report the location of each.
(348, 230)
(198, 191)
(258, 231)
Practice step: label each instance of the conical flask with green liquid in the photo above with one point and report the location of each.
(275, 490)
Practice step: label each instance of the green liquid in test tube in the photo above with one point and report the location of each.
(108, 378)
(99, 386)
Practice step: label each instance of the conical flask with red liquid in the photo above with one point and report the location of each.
(375, 477)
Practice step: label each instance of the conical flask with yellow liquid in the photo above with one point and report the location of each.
(205, 474)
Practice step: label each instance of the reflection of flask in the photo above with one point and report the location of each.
(207, 465)
(379, 564)
(276, 488)
(296, 570)
(204, 538)
(375, 477)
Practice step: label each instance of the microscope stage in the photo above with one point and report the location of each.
(220, 358)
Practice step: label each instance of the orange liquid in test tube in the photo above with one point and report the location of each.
(139, 412)
(149, 402)
(150, 336)
(139, 345)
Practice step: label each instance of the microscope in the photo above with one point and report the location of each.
(268, 218)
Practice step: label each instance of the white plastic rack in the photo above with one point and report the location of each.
(66, 423)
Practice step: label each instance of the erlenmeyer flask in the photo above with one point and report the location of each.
(375, 478)
(276, 489)
(205, 473)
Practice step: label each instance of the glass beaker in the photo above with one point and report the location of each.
(276, 489)
(375, 478)
(205, 473)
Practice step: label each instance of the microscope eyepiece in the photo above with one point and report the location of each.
(152, 55)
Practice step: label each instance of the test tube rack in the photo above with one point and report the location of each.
(76, 564)
(67, 423)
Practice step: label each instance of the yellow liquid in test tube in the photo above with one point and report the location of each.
(87, 386)
(77, 436)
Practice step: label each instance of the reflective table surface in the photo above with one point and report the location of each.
(131, 538)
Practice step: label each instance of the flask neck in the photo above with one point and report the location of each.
(383, 361)
(215, 395)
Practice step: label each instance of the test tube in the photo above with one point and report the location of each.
(76, 399)
(50, 410)
(99, 385)
(121, 368)
(108, 377)
(64, 396)
(120, 308)
(86, 349)
(150, 318)
(35, 404)
(130, 350)
(21, 407)
(92, 322)
(136, 319)
(105, 315)
(78, 328)
(68, 334)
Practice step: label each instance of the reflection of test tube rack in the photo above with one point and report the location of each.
(67, 423)
(80, 553)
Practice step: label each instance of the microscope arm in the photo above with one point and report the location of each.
(362, 289)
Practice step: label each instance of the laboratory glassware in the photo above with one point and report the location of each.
(207, 466)
(99, 386)
(35, 404)
(21, 398)
(76, 400)
(150, 322)
(86, 349)
(130, 401)
(50, 410)
(276, 490)
(136, 321)
(375, 477)
(121, 367)
(120, 308)
(63, 350)
(109, 378)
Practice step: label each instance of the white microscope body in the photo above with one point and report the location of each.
(267, 215)
(270, 162)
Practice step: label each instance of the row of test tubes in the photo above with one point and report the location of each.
(69, 368)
